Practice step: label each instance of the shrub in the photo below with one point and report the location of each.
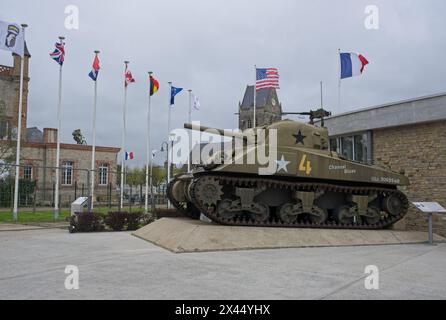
(86, 222)
(133, 220)
(116, 220)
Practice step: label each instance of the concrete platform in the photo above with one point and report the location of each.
(181, 235)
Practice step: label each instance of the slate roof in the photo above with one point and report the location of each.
(261, 97)
(34, 135)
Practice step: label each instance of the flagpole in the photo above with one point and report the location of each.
(339, 81)
(152, 203)
(124, 109)
(255, 96)
(148, 153)
(322, 97)
(59, 124)
(168, 138)
(19, 133)
(93, 147)
(190, 137)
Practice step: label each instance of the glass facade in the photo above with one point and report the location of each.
(353, 147)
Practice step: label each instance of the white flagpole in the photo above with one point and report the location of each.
(59, 124)
(93, 147)
(255, 96)
(148, 156)
(124, 109)
(339, 82)
(168, 139)
(19, 132)
(151, 184)
(190, 137)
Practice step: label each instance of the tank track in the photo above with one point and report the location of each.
(210, 211)
(189, 210)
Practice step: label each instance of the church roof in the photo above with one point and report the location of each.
(261, 97)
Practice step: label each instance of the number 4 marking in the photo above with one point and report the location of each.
(305, 166)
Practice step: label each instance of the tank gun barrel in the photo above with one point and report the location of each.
(222, 132)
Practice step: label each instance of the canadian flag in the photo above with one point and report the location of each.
(128, 77)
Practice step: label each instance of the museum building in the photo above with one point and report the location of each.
(38, 148)
(407, 135)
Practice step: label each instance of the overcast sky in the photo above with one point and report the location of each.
(211, 46)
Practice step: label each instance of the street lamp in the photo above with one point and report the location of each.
(165, 147)
(151, 182)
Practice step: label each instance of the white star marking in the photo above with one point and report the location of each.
(281, 164)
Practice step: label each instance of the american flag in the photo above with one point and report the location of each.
(59, 53)
(267, 78)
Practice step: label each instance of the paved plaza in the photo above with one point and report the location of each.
(117, 265)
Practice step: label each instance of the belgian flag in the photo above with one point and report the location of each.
(154, 85)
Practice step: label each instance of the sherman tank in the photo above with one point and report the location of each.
(310, 186)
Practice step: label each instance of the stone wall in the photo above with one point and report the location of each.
(421, 151)
(9, 92)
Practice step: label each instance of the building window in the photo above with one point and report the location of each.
(103, 174)
(360, 147)
(28, 172)
(67, 173)
(4, 130)
(249, 124)
(355, 147)
(347, 147)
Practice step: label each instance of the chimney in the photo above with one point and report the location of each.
(49, 135)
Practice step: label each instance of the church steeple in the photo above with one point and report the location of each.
(268, 108)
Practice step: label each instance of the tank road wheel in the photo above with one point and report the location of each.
(289, 212)
(345, 215)
(225, 209)
(393, 204)
(373, 215)
(318, 215)
(259, 212)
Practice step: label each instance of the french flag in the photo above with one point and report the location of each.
(352, 64)
(128, 155)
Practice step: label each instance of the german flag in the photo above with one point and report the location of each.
(154, 85)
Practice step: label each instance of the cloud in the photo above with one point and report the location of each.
(211, 47)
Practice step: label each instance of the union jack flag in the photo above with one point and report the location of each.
(59, 53)
(267, 78)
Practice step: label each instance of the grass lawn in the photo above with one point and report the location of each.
(29, 216)
(46, 214)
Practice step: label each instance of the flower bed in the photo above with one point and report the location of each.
(112, 221)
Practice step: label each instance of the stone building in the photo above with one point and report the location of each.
(268, 108)
(38, 152)
(407, 135)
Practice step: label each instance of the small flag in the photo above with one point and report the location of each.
(128, 77)
(352, 64)
(95, 70)
(154, 85)
(173, 92)
(154, 151)
(128, 155)
(59, 53)
(195, 102)
(11, 38)
(267, 78)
